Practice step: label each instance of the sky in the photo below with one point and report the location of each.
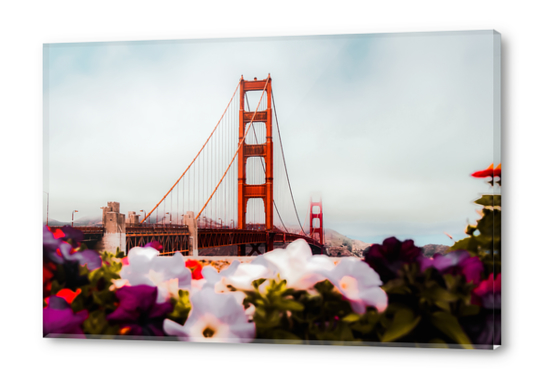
(385, 128)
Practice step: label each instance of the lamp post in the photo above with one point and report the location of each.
(163, 220)
(220, 222)
(47, 220)
(72, 216)
(144, 214)
(232, 224)
(204, 222)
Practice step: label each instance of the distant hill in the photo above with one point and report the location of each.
(431, 249)
(83, 221)
(343, 246)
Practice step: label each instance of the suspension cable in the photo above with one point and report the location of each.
(237, 151)
(197, 155)
(284, 160)
(263, 167)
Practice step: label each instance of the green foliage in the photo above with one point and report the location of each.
(181, 308)
(97, 297)
(484, 238)
(288, 315)
(119, 254)
(422, 307)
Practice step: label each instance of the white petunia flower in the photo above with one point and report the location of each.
(359, 283)
(169, 274)
(211, 276)
(213, 318)
(243, 276)
(297, 265)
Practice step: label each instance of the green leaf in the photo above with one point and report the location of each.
(289, 305)
(404, 321)
(461, 244)
(437, 293)
(280, 334)
(469, 310)
(489, 201)
(352, 317)
(449, 325)
(119, 254)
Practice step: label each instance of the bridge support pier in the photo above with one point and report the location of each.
(270, 242)
(190, 221)
(114, 224)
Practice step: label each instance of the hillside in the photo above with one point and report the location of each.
(343, 246)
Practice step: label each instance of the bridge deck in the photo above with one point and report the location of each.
(177, 237)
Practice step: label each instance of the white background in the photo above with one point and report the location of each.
(25, 26)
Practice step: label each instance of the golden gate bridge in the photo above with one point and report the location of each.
(235, 192)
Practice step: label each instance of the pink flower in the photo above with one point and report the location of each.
(488, 293)
(359, 283)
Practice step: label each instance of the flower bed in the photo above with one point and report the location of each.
(394, 296)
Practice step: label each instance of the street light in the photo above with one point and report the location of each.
(232, 224)
(72, 216)
(163, 220)
(47, 221)
(220, 222)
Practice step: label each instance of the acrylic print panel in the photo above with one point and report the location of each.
(336, 189)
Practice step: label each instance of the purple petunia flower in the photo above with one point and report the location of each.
(388, 258)
(138, 313)
(56, 249)
(58, 317)
(457, 262)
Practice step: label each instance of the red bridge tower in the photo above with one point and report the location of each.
(317, 221)
(262, 191)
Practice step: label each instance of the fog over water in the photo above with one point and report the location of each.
(385, 128)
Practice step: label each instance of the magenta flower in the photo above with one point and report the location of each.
(488, 293)
(388, 258)
(457, 262)
(155, 245)
(59, 318)
(486, 328)
(138, 313)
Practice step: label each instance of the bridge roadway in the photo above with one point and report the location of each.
(177, 238)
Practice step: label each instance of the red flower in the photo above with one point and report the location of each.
(488, 172)
(66, 294)
(195, 267)
(58, 233)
